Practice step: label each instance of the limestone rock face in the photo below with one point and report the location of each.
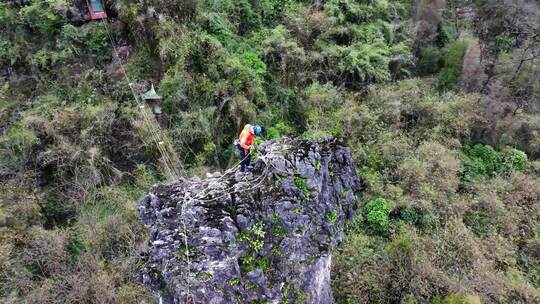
(259, 237)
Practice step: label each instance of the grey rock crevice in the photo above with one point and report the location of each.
(262, 237)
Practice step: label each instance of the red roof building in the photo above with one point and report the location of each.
(96, 9)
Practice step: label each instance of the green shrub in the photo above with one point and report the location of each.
(514, 160)
(449, 76)
(244, 73)
(56, 213)
(332, 217)
(283, 128)
(401, 247)
(86, 95)
(142, 66)
(429, 61)
(75, 244)
(254, 237)
(480, 161)
(216, 25)
(272, 133)
(97, 41)
(489, 157)
(273, 10)
(531, 264)
(452, 298)
(429, 221)
(377, 215)
(7, 55)
(367, 63)
(248, 19)
(484, 161)
(444, 33)
(46, 59)
(321, 103)
(301, 184)
(5, 14)
(89, 41)
(207, 153)
(279, 231)
(279, 130)
(254, 63)
(40, 16)
(144, 177)
(16, 147)
(503, 42)
(479, 221)
(410, 215)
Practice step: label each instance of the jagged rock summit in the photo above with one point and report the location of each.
(261, 237)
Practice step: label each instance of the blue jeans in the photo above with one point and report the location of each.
(245, 162)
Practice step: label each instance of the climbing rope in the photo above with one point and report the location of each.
(170, 160)
(236, 166)
(185, 203)
(229, 190)
(279, 170)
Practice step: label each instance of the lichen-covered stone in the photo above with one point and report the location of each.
(261, 237)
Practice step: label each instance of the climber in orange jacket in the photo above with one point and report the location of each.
(245, 143)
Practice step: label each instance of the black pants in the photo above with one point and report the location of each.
(245, 160)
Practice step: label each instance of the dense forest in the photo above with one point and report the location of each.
(437, 99)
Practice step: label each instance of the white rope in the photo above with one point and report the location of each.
(227, 190)
(151, 124)
(167, 161)
(169, 165)
(170, 160)
(188, 261)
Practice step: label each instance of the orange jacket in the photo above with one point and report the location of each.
(246, 137)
